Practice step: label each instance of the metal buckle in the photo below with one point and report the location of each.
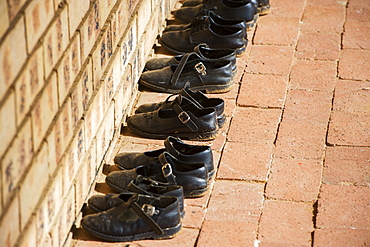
(149, 209)
(166, 170)
(184, 117)
(200, 68)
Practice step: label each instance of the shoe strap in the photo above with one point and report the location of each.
(183, 116)
(167, 169)
(145, 212)
(180, 67)
(187, 93)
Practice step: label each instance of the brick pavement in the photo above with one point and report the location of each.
(293, 159)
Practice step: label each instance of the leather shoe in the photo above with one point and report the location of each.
(189, 123)
(139, 217)
(177, 148)
(204, 30)
(228, 9)
(208, 76)
(142, 186)
(193, 177)
(197, 98)
(204, 53)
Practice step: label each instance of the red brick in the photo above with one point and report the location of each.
(254, 125)
(323, 19)
(286, 222)
(274, 244)
(342, 206)
(262, 90)
(319, 46)
(194, 217)
(313, 75)
(187, 238)
(282, 9)
(247, 161)
(220, 233)
(352, 96)
(38, 14)
(331, 237)
(327, 3)
(235, 201)
(270, 59)
(300, 140)
(354, 64)
(347, 128)
(294, 179)
(277, 31)
(308, 107)
(200, 201)
(359, 14)
(356, 35)
(347, 165)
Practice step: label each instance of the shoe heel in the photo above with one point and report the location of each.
(168, 232)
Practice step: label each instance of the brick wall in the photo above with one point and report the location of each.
(68, 76)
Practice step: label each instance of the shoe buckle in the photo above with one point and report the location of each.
(200, 68)
(166, 170)
(184, 117)
(149, 209)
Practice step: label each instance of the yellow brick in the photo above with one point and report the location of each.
(4, 18)
(76, 10)
(9, 225)
(7, 122)
(14, 7)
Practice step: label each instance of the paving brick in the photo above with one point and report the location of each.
(13, 7)
(308, 107)
(9, 225)
(16, 161)
(347, 128)
(56, 41)
(356, 35)
(315, 16)
(270, 59)
(12, 58)
(342, 206)
(76, 12)
(7, 122)
(353, 64)
(262, 90)
(38, 14)
(352, 96)
(274, 244)
(227, 233)
(328, 3)
(347, 165)
(330, 237)
(286, 223)
(254, 125)
(270, 30)
(247, 161)
(300, 140)
(29, 85)
(319, 46)
(313, 75)
(4, 18)
(294, 179)
(359, 13)
(281, 8)
(235, 201)
(194, 217)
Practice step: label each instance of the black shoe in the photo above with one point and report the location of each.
(138, 217)
(197, 98)
(193, 177)
(143, 186)
(178, 149)
(227, 9)
(204, 31)
(191, 123)
(216, 20)
(207, 76)
(204, 53)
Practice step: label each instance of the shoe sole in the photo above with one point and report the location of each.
(250, 25)
(196, 193)
(207, 89)
(264, 10)
(167, 233)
